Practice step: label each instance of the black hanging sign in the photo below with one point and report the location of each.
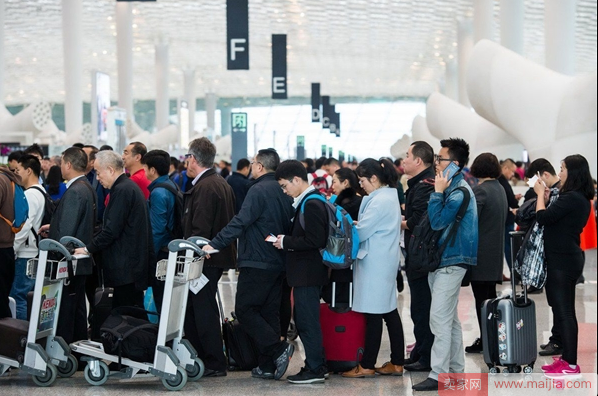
(279, 66)
(326, 111)
(315, 102)
(237, 35)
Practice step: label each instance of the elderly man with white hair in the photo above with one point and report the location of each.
(126, 238)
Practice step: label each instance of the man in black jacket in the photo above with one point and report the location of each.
(418, 165)
(75, 216)
(126, 236)
(508, 168)
(240, 183)
(305, 270)
(266, 210)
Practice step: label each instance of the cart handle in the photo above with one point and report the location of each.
(199, 241)
(51, 245)
(66, 239)
(180, 244)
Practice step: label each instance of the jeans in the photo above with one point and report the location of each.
(373, 337)
(257, 305)
(560, 293)
(421, 300)
(20, 287)
(307, 320)
(7, 275)
(448, 354)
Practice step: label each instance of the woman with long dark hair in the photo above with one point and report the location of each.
(563, 223)
(55, 183)
(375, 271)
(345, 187)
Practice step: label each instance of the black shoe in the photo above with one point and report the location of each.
(258, 373)
(214, 373)
(476, 347)
(534, 290)
(552, 349)
(428, 385)
(543, 346)
(581, 280)
(307, 376)
(409, 361)
(282, 361)
(417, 366)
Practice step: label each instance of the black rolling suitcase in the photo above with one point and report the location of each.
(241, 351)
(509, 328)
(14, 338)
(101, 311)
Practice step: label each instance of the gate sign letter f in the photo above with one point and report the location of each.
(237, 35)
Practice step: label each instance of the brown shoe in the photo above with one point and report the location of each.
(389, 369)
(359, 372)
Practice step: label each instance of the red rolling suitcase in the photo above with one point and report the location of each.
(343, 333)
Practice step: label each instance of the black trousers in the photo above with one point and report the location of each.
(257, 306)
(307, 320)
(421, 301)
(72, 320)
(127, 296)
(373, 338)
(7, 276)
(286, 309)
(202, 322)
(560, 293)
(482, 291)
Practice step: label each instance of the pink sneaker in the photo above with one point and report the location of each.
(547, 367)
(561, 369)
(410, 347)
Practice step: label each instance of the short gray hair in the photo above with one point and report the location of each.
(111, 159)
(203, 151)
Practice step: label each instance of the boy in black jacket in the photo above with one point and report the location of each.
(305, 269)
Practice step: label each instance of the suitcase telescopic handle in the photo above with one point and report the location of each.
(516, 234)
(180, 244)
(50, 245)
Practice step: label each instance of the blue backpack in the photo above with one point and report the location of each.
(21, 208)
(343, 242)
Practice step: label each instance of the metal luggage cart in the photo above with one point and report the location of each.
(173, 365)
(45, 363)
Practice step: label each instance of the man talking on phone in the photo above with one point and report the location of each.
(266, 210)
(445, 282)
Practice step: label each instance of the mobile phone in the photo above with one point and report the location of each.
(451, 170)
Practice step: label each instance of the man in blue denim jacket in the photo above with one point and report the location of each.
(161, 211)
(447, 351)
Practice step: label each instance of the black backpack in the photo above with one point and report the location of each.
(49, 209)
(127, 333)
(423, 251)
(179, 208)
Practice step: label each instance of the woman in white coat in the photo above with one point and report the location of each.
(374, 273)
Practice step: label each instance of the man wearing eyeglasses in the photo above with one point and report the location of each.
(209, 207)
(266, 210)
(448, 354)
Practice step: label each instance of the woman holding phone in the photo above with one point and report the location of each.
(563, 223)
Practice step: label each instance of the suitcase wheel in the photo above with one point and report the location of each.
(528, 370)
(48, 378)
(493, 370)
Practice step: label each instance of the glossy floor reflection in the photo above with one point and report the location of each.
(240, 383)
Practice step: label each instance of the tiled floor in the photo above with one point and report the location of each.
(240, 383)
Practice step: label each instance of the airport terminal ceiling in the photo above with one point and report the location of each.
(352, 47)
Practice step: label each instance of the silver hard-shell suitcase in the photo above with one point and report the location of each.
(509, 328)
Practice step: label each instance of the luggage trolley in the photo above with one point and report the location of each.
(44, 364)
(173, 365)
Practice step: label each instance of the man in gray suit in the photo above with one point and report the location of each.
(75, 216)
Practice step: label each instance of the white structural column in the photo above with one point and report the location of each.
(559, 34)
(511, 25)
(72, 11)
(483, 20)
(189, 94)
(162, 100)
(211, 100)
(451, 80)
(124, 51)
(464, 47)
(1, 52)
